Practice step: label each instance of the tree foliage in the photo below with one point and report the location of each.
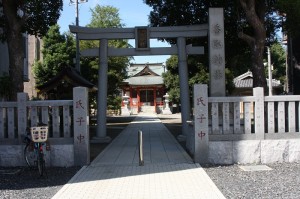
(105, 17)
(289, 12)
(171, 79)
(197, 74)
(253, 22)
(32, 16)
(58, 50)
(259, 20)
(278, 61)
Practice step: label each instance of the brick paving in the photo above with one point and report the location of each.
(168, 171)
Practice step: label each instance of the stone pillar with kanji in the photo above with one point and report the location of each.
(201, 123)
(216, 53)
(81, 126)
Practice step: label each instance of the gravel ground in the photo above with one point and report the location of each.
(283, 181)
(22, 182)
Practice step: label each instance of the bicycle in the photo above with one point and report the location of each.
(35, 140)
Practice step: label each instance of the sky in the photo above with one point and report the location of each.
(132, 13)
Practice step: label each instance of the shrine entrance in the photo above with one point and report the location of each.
(144, 89)
(147, 97)
(142, 35)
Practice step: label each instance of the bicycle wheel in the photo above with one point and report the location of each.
(41, 163)
(29, 154)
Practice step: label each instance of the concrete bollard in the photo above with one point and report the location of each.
(141, 155)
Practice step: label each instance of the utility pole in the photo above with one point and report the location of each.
(269, 71)
(77, 40)
(77, 66)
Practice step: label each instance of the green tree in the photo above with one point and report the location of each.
(106, 17)
(58, 50)
(256, 13)
(289, 10)
(252, 21)
(31, 16)
(171, 79)
(198, 73)
(278, 60)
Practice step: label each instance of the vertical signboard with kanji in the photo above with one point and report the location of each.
(201, 123)
(142, 41)
(81, 126)
(216, 52)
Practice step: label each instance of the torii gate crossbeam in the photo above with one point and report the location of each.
(142, 36)
(104, 34)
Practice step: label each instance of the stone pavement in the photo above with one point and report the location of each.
(168, 171)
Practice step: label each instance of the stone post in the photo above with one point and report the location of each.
(259, 117)
(201, 123)
(22, 114)
(166, 110)
(81, 126)
(2, 119)
(125, 110)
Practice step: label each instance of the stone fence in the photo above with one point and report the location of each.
(250, 129)
(68, 122)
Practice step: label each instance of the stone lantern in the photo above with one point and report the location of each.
(125, 110)
(166, 110)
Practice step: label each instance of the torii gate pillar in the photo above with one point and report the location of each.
(184, 86)
(102, 95)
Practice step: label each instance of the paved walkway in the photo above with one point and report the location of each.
(168, 172)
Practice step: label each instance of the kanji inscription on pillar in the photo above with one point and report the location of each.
(81, 126)
(201, 123)
(217, 44)
(217, 60)
(216, 52)
(217, 74)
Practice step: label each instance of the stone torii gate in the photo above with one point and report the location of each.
(142, 36)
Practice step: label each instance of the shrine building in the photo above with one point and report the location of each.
(144, 87)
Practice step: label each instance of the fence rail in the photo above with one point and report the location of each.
(55, 114)
(234, 118)
(255, 119)
(252, 117)
(68, 122)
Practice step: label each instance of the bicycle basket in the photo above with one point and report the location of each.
(39, 134)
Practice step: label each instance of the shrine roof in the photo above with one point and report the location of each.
(155, 68)
(145, 80)
(69, 74)
(145, 74)
(246, 81)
